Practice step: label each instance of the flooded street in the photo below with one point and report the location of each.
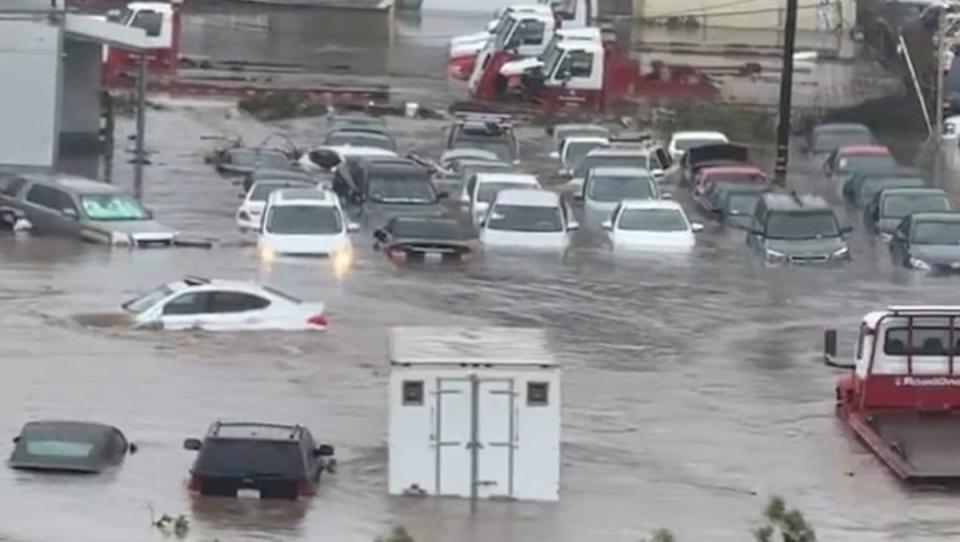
(693, 388)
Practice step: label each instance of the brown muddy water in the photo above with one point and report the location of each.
(692, 388)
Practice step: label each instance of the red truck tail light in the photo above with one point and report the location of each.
(194, 483)
(317, 320)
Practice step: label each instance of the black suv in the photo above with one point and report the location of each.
(790, 228)
(261, 460)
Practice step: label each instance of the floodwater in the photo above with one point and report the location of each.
(692, 388)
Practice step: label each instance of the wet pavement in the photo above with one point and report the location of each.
(692, 386)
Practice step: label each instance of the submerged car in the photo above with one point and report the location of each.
(378, 189)
(928, 242)
(745, 174)
(606, 187)
(845, 161)
(527, 219)
(863, 185)
(223, 305)
(681, 142)
(88, 210)
(250, 213)
(327, 159)
(560, 132)
(304, 222)
(823, 139)
(484, 187)
(258, 460)
(423, 238)
(651, 225)
(890, 206)
(732, 203)
(243, 160)
(574, 149)
(69, 446)
(492, 133)
(796, 229)
(360, 137)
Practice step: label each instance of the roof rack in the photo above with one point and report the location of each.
(194, 280)
(931, 310)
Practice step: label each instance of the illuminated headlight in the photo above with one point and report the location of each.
(119, 239)
(774, 256)
(342, 260)
(841, 253)
(267, 254)
(919, 264)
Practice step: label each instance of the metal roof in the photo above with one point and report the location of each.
(465, 346)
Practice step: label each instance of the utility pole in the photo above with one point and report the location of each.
(941, 51)
(786, 94)
(140, 158)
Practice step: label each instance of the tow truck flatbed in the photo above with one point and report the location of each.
(918, 448)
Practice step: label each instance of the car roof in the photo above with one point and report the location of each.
(936, 216)
(619, 151)
(719, 170)
(255, 431)
(74, 183)
(585, 139)
(795, 202)
(705, 134)
(302, 196)
(528, 196)
(226, 284)
(497, 177)
(615, 171)
(864, 149)
(911, 190)
(650, 204)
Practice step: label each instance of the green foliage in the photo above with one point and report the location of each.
(661, 535)
(790, 523)
(178, 526)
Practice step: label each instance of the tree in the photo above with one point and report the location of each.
(790, 523)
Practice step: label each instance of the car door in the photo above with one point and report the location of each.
(238, 310)
(42, 205)
(189, 310)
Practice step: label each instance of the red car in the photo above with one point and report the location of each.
(728, 174)
(859, 157)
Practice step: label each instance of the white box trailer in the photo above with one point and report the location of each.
(474, 413)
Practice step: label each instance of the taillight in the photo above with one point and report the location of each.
(397, 254)
(194, 483)
(304, 489)
(317, 320)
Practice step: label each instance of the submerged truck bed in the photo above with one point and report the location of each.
(919, 447)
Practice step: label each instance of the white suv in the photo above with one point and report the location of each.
(304, 222)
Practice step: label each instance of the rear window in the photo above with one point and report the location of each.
(236, 457)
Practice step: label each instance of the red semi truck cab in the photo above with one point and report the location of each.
(901, 396)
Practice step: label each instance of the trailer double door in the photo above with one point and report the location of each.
(476, 437)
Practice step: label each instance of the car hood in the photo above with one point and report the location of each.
(517, 67)
(936, 254)
(681, 241)
(137, 228)
(806, 247)
(379, 213)
(306, 245)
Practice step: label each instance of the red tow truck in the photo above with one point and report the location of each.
(578, 73)
(901, 397)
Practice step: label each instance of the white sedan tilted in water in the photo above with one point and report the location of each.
(223, 305)
(656, 225)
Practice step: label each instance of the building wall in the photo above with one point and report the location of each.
(29, 102)
(80, 114)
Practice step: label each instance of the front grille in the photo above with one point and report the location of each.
(809, 258)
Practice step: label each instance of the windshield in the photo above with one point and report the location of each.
(661, 220)
(59, 448)
(503, 33)
(871, 186)
(805, 225)
(834, 139)
(250, 458)
(112, 207)
(901, 205)
(147, 300)
(937, 233)
(577, 150)
(501, 147)
(551, 57)
(741, 204)
(866, 162)
(303, 220)
(401, 190)
(525, 218)
(687, 144)
(427, 229)
(590, 162)
(487, 191)
(610, 189)
(357, 139)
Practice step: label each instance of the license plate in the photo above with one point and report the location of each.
(248, 493)
(433, 257)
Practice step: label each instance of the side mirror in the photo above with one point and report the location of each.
(133, 448)
(324, 450)
(555, 155)
(16, 439)
(608, 225)
(353, 227)
(696, 227)
(830, 351)
(846, 229)
(573, 226)
(192, 444)
(69, 213)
